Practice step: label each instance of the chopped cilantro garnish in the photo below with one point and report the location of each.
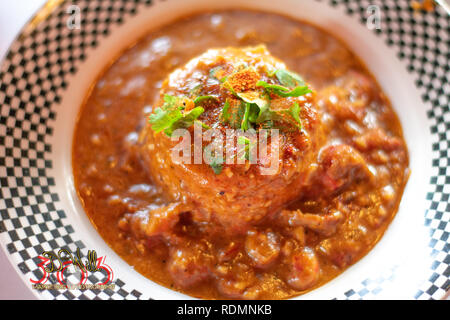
(248, 145)
(255, 108)
(288, 78)
(170, 115)
(245, 124)
(256, 105)
(294, 112)
(238, 114)
(226, 112)
(217, 165)
(254, 97)
(186, 121)
(254, 113)
(201, 99)
(268, 115)
(163, 117)
(233, 113)
(248, 108)
(204, 126)
(283, 91)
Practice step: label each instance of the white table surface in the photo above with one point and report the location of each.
(13, 15)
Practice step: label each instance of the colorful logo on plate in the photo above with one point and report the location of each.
(69, 267)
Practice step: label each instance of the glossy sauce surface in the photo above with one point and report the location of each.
(362, 131)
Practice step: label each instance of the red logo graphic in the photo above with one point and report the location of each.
(66, 259)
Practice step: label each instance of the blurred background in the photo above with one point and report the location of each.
(13, 15)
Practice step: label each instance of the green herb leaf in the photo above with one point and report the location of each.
(170, 117)
(297, 92)
(254, 98)
(283, 91)
(245, 124)
(254, 113)
(243, 140)
(186, 121)
(258, 105)
(201, 99)
(217, 165)
(271, 87)
(255, 107)
(204, 126)
(268, 117)
(294, 112)
(226, 111)
(164, 116)
(289, 79)
(237, 111)
(247, 147)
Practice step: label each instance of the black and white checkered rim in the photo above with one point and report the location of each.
(33, 78)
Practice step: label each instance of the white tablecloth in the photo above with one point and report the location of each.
(13, 15)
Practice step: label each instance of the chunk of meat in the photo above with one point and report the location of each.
(349, 97)
(340, 166)
(151, 221)
(189, 265)
(342, 253)
(323, 224)
(229, 252)
(234, 279)
(377, 139)
(304, 269)
(262, 247)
